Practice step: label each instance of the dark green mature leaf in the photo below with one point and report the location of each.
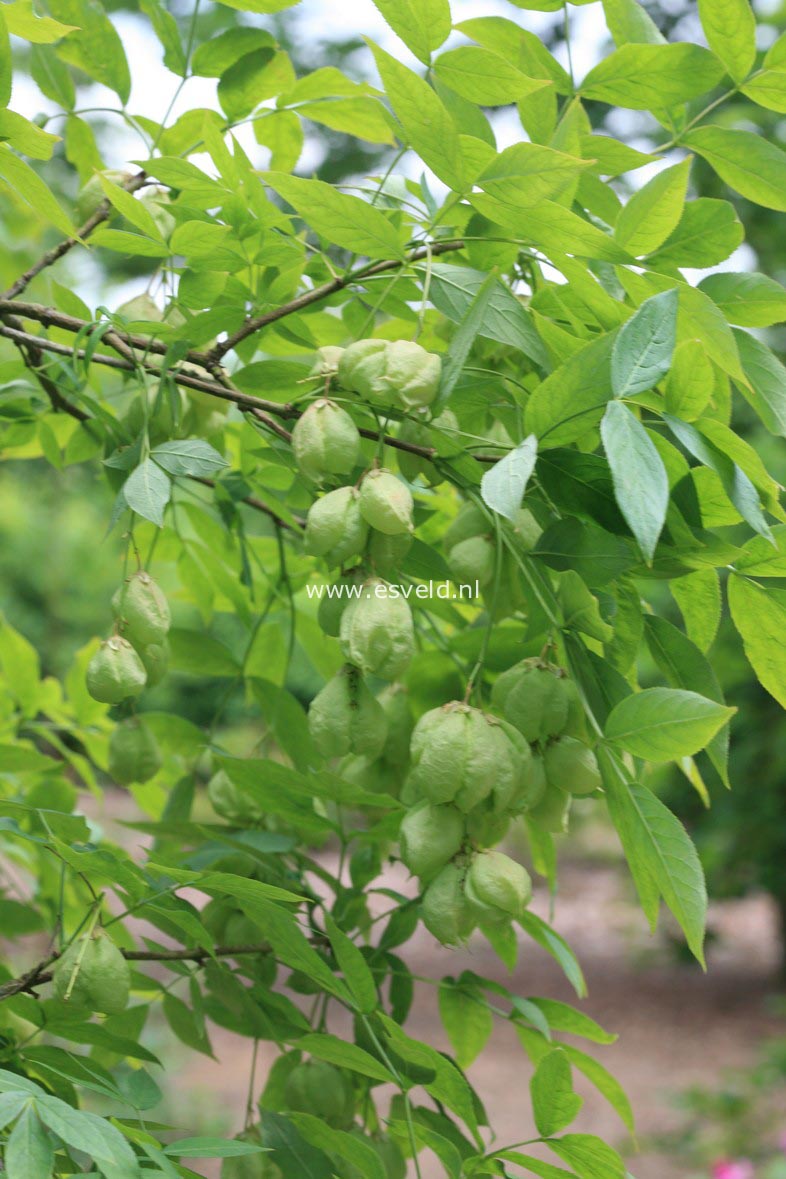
(641, 484)
(354, 968)
(290, 1151)
(422, 26)
(503, 486)
(759, 615)
(661, 724)
(453, 290)
(339, 1052)
(767, 377)
(467, 1019)
(750, 164)
(597, 555)
(647, 77)
(554, 1102)
(645, 345)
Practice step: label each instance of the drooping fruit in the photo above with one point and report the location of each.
(361, 368)
(469, 521)
(232, 803)
(322, 1090)
(413, 466)
(115, 672)
(325, 441)
(552, 812)
(533, 697)
(460, 755)
(396, 706)
(377, 633)
(388, 553)
(335, 599)
(386, 503)
(390, 373)
(335, 529)
(473, 560)
(429, 837)
(327, 361)
(571, 766)
(498, 887)
(94, 974)
(134, 755)
(486, 827)
(142, 610)
(346, 718)
(155, 657)
(445, 910)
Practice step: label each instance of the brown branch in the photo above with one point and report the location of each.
(256, 323)
(40, 973)
(57, 252)
(258, 504)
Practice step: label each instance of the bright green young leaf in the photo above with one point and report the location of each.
(573, 397)
(699, 598)
(747, 299)
(662, 724)
(708, 232)
(748, 163)
(345, 220)
(641, 485)
(759, 615)
(554, 1102)
(768, 89)
(524, 174)
(483, 76)
(691, 381)
(421, 26)
(466, 1018)
(645, 345)
(6, 66)
(643, 77)
(38, 30)
(629, 23)
(32, 190)
(588, 1156)
(96, 47)
(730, 28)
(604, 1082)
(653, 213)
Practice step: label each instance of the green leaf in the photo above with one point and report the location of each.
(29, 1151)
(38, 30)
(641, 484)
(503, 485)
(708, 232)
(524, 174)
(197, 653)
(553, 943)
(466, 1018)
(684, 666)
(573, 398)
(251, 80)
(748, 163)
(188, 456)
(554, 1102)
(264, 7)
(290, 1151)
(730, 29)
(645, 345)
(147, 491)
(650, 77)
(604, 1082)
(654, 211)
(691, 381)
(354, 968)
(345, 1055)
(561, 1017)
(340, 218)
(453, 290)
(748, 300)
(552, 228)
(6, 65)
(658, 848)
(460, 346)
(423, 25)
(32, 190)
(767, 89)
(52, 76)
(759, 615)
(95, 47)
(766, 391)
(210, 1148)
(663, 724)
(165, 28)
(11, 1105)
(533, 1165)
(89, 1133)
(484, 77)
(358, 1152)
(426, 124)
(627, 22)
(597, 555)
(132, 209)
(699, 598)
(589, 1156)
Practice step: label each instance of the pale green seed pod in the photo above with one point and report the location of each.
(323, 1091)
(155, 657)
(396, 706)
(346, 718)
(412, 373)
(377, 633)
(429, 837)
(534, 699)
(498, 887)
(332, 606)
(115, 672)
(572, 767)
(445, 910)
(325, 441)
(103, 978)
(141, 610)
(386, 503)
(335, 528)
(134, 755)
(250, 1166)
(553, 810)
(485, 827)
(327, 361)
(230, 802)
(473, 560)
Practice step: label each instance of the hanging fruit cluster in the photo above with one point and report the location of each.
(135, 656)
(463, 773)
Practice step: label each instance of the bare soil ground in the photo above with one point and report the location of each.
(677, 1027)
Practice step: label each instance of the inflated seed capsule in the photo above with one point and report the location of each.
(429, 837)
(386, 503)
(498, 887)
(141, 610)
(335, 528)
(115, 672)
(571, 766)
(346, 718)
(445, 910)
(325, 441)
(134, 755)
(377, 632)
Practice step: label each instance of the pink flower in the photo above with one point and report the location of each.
(733, 1169)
